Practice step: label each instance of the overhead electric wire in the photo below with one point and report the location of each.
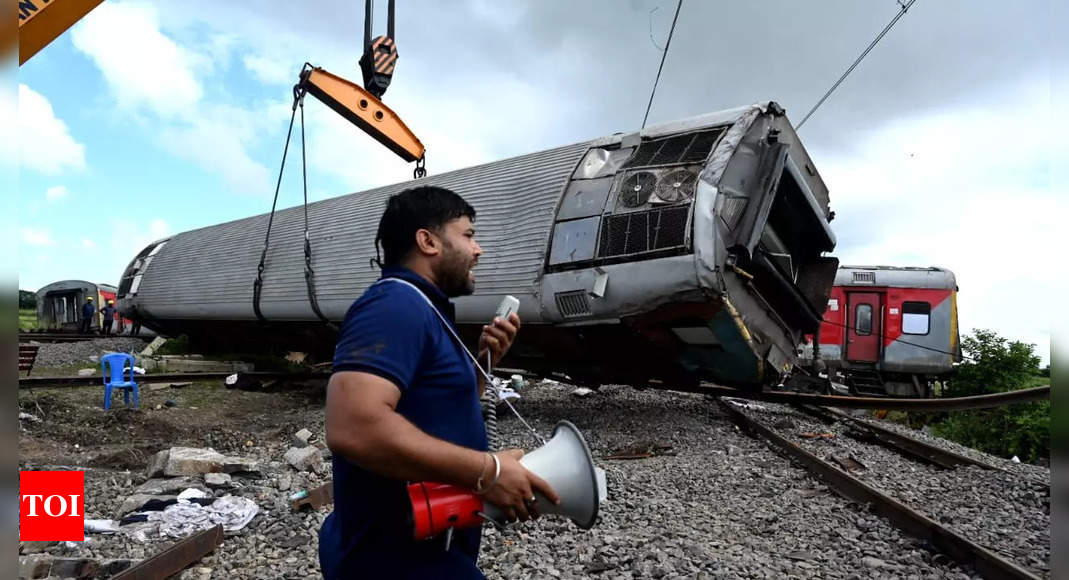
(872, 44)
(664, 54)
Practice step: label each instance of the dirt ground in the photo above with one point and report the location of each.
(76, 430)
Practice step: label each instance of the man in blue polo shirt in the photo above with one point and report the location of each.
(403, 402)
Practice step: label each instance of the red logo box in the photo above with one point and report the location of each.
(51, 506)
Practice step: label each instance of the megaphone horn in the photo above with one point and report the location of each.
(564, 462)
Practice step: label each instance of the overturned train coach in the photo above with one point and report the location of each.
(889, 330)
(689, 251)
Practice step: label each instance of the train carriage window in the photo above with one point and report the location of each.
(916, 317)
(863, 320)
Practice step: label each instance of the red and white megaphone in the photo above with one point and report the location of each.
(564, 462)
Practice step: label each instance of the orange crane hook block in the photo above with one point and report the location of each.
(363, 110)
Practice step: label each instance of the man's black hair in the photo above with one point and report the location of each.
(424, 207)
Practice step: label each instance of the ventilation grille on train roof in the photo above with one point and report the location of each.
(865, 277)
(640, 232)
(572, 304)
(689, 148)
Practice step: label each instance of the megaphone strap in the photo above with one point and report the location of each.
(491, 382)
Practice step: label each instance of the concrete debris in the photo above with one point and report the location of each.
(157, 464)
(193, 461)
(217, 480)
(86, 372)
(583, 392)
(153, 346)
(302, 438)
(304, 458)
(178, 461)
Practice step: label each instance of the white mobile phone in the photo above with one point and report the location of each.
(509, 304)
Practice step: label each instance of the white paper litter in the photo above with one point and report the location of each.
(139, 370)
(582, 392)
(190, 493)
(28, 417)
(102, 526)
(183, 519)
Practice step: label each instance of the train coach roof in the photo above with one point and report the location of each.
(896, 277)
(66, 285)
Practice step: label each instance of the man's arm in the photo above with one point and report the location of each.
(364, 427)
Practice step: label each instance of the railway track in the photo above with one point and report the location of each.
(947, 404)
(58, 337)
(48, 382)
(861, 462)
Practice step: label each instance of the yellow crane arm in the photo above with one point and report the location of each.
(363, 110)
(41, 21)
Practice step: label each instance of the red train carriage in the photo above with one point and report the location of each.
(890, 330)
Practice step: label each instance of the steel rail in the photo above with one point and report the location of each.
(905, 445)
(95, 380)
(175, 558)
(61, 337)
(947, 541)
(945, 404)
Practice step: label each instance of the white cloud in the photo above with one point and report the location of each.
(88, 244)
(35, 237)
(148, 71)
(967, 189)
(56, 192)
(144, 68)
(45, 143)
(270, 70)
(129, 237)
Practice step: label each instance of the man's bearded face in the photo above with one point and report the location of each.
(454, 269)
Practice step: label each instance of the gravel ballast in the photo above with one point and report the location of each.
(1006, 512)
(61, 354)
(709, 503)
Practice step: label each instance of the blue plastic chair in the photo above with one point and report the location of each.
(113, 369)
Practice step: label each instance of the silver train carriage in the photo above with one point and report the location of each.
(689, 251)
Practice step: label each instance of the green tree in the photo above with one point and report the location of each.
(995, 364)
(992, 364)
(27, 299)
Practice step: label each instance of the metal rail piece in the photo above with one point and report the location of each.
(951, 543)
(95, 380)
(175, 558)
(947, 404)
(908, 445)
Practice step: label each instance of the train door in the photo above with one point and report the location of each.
(863, 330)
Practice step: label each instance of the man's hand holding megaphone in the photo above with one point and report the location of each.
(514, 489)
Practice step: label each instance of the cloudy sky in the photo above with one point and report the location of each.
(147, 119)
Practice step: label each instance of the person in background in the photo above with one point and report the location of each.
(88, 312)
(109, 318)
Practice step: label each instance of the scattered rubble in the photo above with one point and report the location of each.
(304, 458)
(302, 438)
